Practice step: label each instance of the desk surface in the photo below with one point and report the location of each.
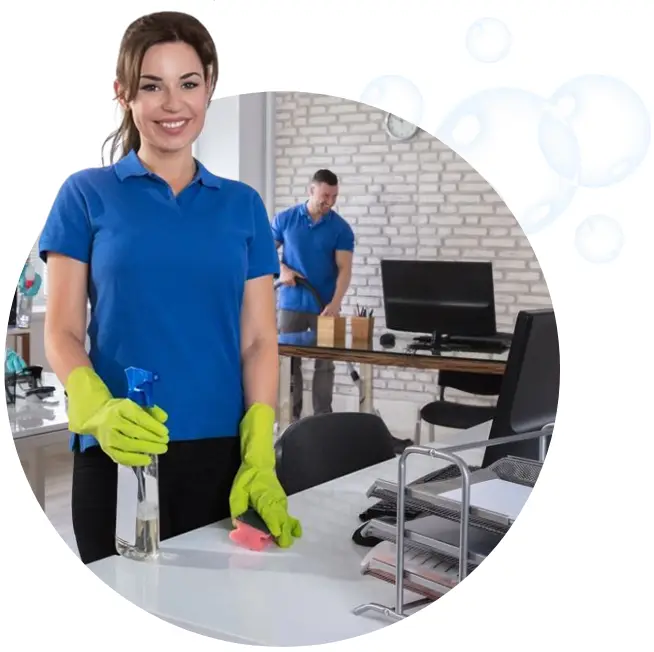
(13, 331)
(301, 596)
(30, 417)
(305, 345)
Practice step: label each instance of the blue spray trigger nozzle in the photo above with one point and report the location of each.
(139, 386)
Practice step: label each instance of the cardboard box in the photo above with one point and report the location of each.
(331, 331)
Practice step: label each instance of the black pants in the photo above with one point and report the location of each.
(195, 479)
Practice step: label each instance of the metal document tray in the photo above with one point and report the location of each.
(435, 534)
(439, 573)
(427, 497)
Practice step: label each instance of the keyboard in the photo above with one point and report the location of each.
(500, 339)
(491, 344)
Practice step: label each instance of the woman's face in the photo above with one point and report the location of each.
(170, 107)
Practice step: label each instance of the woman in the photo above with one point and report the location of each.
(177, 265)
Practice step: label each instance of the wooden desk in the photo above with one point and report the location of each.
(304, 345)
(22, 334)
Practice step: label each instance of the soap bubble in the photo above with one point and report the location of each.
(395, 95)
(497, 132)
(611, 125)
(599, 239)
(488, 40)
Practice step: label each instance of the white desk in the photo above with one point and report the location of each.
(300, 596)
(35, 425)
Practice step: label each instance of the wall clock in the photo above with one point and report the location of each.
(399, 128)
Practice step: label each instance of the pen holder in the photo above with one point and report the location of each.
(331, 331)
(362, 329)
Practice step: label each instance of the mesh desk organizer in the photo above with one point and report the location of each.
(449, 529)
(26, 384)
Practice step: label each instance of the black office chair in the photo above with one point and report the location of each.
(459, 416)
(323, 447)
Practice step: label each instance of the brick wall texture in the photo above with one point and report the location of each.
(414, 199)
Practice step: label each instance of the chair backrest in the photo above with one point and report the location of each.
(471, 383)
(323, 447)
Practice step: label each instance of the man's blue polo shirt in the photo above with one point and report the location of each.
(166, 282)
(310, 248)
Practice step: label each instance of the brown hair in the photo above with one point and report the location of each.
(142, 34)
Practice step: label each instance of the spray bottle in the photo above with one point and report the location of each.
(28, 287)
(137, 504)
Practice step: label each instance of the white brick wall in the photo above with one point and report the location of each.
(413, 200)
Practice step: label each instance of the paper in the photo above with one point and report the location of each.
(426, 574)
(495, 495)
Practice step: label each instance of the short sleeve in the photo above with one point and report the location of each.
(67, 228)
(345, 241)
(262, 253)
(278, 228)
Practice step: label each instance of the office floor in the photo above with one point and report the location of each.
(58, 484)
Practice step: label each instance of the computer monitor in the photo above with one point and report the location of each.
(529, 395)
(439, 298)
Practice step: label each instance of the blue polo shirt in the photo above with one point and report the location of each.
(310, 248)
(166, 281)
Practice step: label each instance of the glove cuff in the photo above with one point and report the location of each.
(256, 432)
(86, 393)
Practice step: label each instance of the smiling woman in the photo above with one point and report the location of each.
(167, 65)
(148, 240)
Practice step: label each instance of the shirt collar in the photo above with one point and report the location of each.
(305, 211)
(131, 166)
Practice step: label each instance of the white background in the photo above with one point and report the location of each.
(571, 570)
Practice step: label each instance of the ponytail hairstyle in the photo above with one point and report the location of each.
(140, 36)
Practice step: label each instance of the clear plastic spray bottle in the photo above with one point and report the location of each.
(137, 505)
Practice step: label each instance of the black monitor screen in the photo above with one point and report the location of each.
(439, 297)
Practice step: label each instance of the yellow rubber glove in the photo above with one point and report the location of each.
(256, 484)
(126, 432)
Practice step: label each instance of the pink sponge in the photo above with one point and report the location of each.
(250, 532)
(249, 537)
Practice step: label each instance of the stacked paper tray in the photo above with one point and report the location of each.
(427, 575)
(437, 535)
(497, 494)
(432, 540)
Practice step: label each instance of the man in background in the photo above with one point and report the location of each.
(317, 245)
